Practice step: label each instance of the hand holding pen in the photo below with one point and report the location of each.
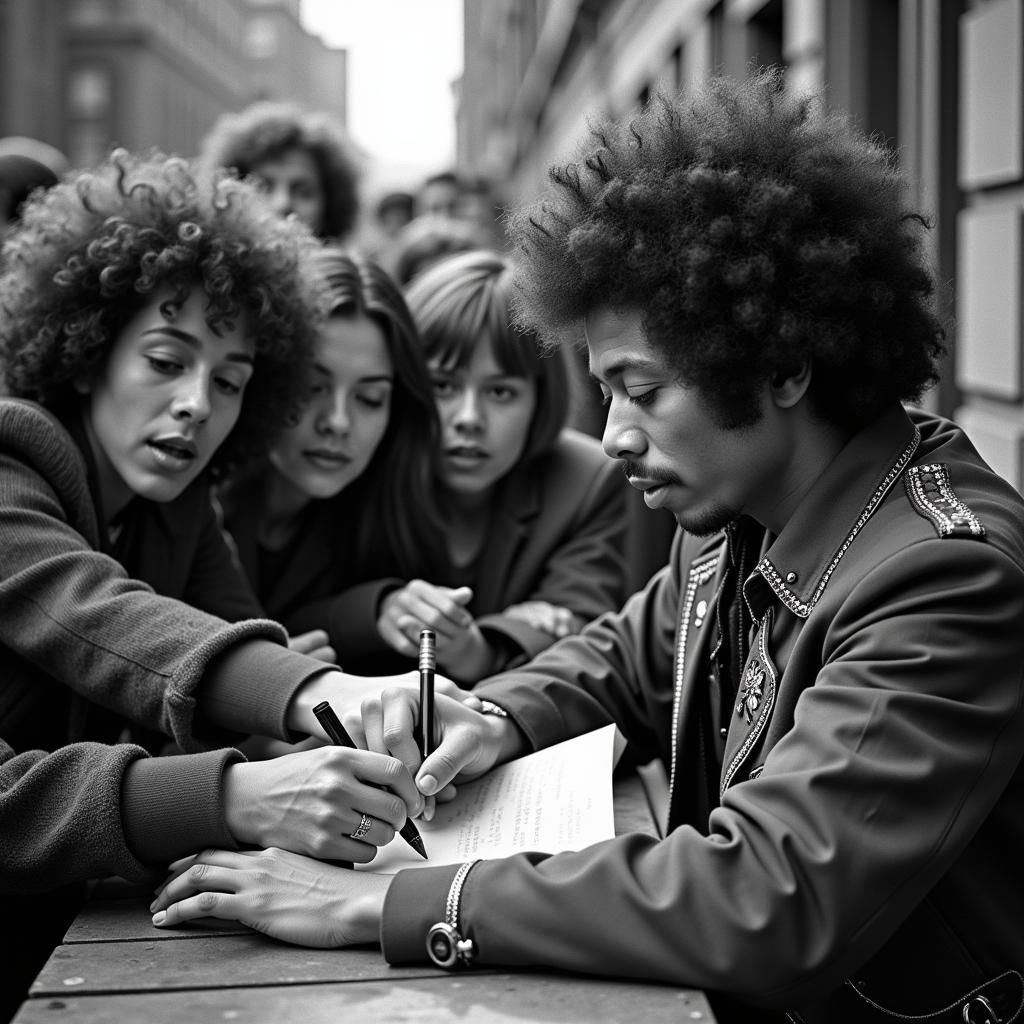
(332, 726)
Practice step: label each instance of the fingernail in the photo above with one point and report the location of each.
(152, 906)
(159, 917)
(427, 784)
(428, 812)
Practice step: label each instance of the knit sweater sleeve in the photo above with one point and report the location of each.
(89, 810)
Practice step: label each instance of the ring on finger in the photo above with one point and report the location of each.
(362, 828)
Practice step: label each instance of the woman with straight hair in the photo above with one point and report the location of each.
(534, 511)
(342, 510)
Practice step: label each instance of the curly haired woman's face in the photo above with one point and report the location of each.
(348, 411)
(165, 400)
(292, 183)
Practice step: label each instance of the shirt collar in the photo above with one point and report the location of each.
(798, 564)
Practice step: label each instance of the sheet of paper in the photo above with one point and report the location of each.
(555, 799)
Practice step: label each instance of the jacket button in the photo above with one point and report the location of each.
(791, 577)
(723, 732)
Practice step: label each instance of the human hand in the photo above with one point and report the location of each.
(467, 743)
(311, 802)
(281, 894)
(316, 644)
(422, 605)
(461, 648)
(547, 617)
(346, 692)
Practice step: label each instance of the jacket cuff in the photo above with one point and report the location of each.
(414, 903)
(172, 806)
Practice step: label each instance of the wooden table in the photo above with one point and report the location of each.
(113, 967)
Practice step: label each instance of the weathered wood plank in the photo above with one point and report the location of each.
(205, 962)
(448, 999)
(129, 919)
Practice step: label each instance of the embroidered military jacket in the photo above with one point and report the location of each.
(847, 824)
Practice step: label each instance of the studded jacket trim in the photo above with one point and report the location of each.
(932, 496)
(776, 580)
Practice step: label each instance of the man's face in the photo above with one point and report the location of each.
(668, 436)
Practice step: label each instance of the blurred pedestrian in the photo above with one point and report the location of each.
(439, 194)
(303, 159)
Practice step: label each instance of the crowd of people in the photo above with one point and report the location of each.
(249, 449)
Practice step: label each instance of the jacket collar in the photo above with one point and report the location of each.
(799, 562)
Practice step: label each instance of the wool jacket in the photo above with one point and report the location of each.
(557, 535)
(89, 646)
(845, 826)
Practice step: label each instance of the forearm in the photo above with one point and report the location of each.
(60, 816)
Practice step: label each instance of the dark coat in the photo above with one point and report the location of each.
(844, 827)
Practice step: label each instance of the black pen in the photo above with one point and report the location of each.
(428, 662)
(339, 735)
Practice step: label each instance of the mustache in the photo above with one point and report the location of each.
(644, 472)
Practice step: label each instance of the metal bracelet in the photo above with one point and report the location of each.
(446, 945)
(488, 707)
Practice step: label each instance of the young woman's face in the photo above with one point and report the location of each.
(292, 182)
(348, 411)
(165, 400)
(485, 419)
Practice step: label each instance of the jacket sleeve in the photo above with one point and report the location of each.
(350, 619)
(901, 746)
(585, 572)
(74, 614)
(63, 817)
(618, 669)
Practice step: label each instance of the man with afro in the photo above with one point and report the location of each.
(830, 667)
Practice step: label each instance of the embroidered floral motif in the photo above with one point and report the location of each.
(759, 680)
(751, 691)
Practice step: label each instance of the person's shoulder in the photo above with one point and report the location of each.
(576, 465)
(32, 433)
(951, 493)
(575, 450)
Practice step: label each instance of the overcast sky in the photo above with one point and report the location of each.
(404, 56)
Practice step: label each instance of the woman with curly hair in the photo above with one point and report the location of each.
(302, 159)
(535, 513)
(156, 329)
(343, 507)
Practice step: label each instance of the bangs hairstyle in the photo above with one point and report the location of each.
(400, 474)
(96, 247)
(756, 232)
(267, 130)
(465, 301)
